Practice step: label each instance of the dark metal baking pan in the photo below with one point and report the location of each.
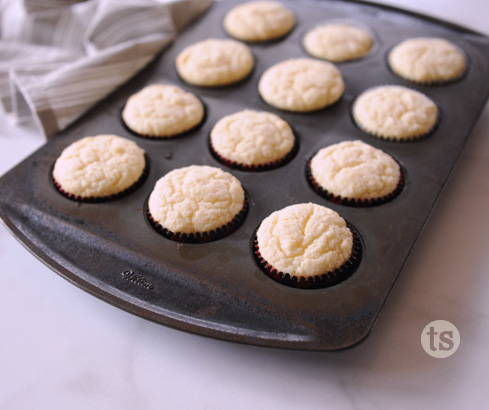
(216, 289)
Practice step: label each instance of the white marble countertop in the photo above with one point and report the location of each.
(61, 348)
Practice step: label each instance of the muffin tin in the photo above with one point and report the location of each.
(216, 289)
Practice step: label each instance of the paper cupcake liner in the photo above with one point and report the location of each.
(201, 237)
(157, 138)
(419, 137)
(269, 42)
(260, 167)
(413, 138)
(360, 203)
(98, 199)
(315, 282)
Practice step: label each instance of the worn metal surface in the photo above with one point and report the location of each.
(215, 289)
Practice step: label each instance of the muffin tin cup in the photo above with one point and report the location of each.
(302, 112)
(169, 137)
(98, 199)
(256, 168)
(314, 282)
(341, 21)
(439, 83)
(411, 139)
(267, 42)
(243, 80)
(200, 237)
(360, 203)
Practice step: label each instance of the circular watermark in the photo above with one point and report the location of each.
(440, 339)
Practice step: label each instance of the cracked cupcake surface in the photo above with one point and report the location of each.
(304, 240)
(338, 42)
(427, 60)
(215, 62)
(395, 112)
(301, 85)
(195, 199)
(99, 166)
(355, 170)
(257, 21)
(162, 110)
(252, 138)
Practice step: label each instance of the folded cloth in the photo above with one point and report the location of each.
(59, 57)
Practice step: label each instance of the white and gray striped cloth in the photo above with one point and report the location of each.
(59, 57)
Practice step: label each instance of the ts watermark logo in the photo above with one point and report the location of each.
(440, 339)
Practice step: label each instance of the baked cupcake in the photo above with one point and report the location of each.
(197, 204)
(258, 21)
(338, 42)
(427, 60)
(307, 246)
(99, 168)
(301, 85)
(252, 140)
(162, 111)
(354, 173)
(215, 62)
(395, 112)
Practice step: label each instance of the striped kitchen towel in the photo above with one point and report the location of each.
(59, 57)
